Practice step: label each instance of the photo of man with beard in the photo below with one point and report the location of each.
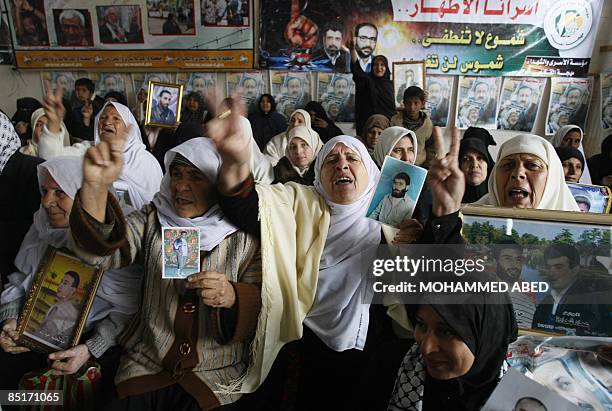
(333, 48)
(395, 207)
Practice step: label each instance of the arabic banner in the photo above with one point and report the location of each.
(569, 103)
(469, 37)
(152, 34)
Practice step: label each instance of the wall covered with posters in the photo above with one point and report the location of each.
(472, 37)
(138, 34)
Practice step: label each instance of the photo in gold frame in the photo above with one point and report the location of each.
(164, 102)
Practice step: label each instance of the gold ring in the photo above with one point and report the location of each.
(225, 114)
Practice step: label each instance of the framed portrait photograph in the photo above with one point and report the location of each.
(291, 90)
(181, 252)
(397, 192)
(58, 303)
(592, 198)
(164, 104)
(566, 253)
(519, 103)
(477, 102)
(569, 103)
(336, 92)
(73, 27)
(438, 93)
(407, 74)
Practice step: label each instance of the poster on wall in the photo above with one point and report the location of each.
(606, 99)
(63, 79)
(519, 103)
(437, 107)
(569, 103)
(6, 48)
(290, 91)
(142, 34)
(336, 92)
(112, 82)
(452, 37)
(249, 85)
(477, 102)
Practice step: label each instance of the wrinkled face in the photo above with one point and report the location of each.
(573, 99)
(379, 68)
(571, 139)
(481, 92)
(434, 94)
(249, 88)
(521, 179)
(300, 153)
(412, 107)
(56, 202)
(66, 288)
(193, 104)
(296, 120)
(110, 83)
(373, 135)
(399, 187)
(404, 150)
(332, 42)
(294, 87)
(510, 263)
(474, 165)
(191, 192)
(445, 354)
(341, 87)
(343, 175)
(558, 272)
(366, 41)
(73, 31)
(164, 100)
(572, 169)
(38, 127)
(524, 96)
(82, 93)
(265, 104)
(111, 125)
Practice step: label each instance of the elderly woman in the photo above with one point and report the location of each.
(572, 161)
(266, 122)
(476, 162)
(141, 172)
(115, 302)
(528, 174)
(45, 127)
(375, 125)
(572, 136)
(299, 155)
(191, 336)
(19, 195)
(458, 357)
(275, 148)
(313, 242)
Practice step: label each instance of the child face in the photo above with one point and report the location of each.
(412, 107)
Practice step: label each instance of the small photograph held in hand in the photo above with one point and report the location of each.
(181, 252)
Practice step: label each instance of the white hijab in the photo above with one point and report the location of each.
(311, 138)
(118, 290)
(556, 142)
(338, 316)
(275, 149)
(32, 148)
(141, 172)
(557, 195)
(388, 139)
(214, 227)
(261, 168)
(9, 140)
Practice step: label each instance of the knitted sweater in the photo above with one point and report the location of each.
(174, 338)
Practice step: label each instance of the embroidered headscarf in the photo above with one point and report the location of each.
(9, 140)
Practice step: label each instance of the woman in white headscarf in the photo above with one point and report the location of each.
(300, 154)
(141, 172)
(191, 334)
(275, 149)
(528, 174)
(41, 129)
(572, 136)
(397, 142)
(116, 297)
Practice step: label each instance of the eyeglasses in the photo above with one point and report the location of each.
(366, 38)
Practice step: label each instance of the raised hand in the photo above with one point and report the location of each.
(102, 165)
(228, 134)
(54, 107)
(214, 288)
(445, 178)
(9, 337)
(301, 31)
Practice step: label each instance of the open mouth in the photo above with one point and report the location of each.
(108, 130)
(518, 194)
(343, 181)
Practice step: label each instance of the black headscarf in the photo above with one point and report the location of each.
(329, 132)
(487, 325)
(600, 165)
(479, 140)
(201, 115)
(566, 153)
(382, 90)
(272, 104)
